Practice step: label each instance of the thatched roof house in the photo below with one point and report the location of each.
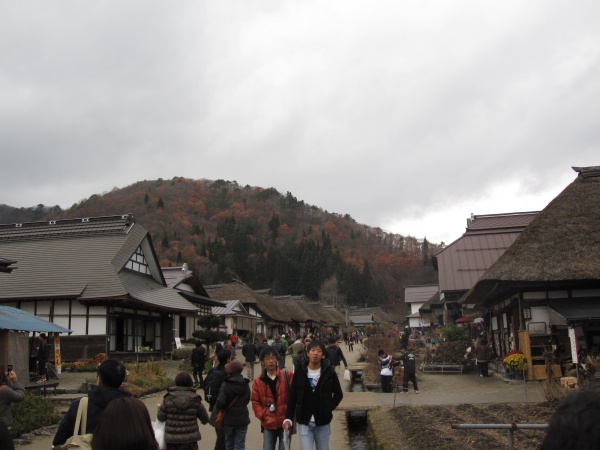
(559, 248)
(544, 289)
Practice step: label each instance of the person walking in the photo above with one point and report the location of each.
(111, 374)
(335, 355)
(198, 363)
(212, 386)
(234, 397)
(249, 352)
(269, 399)
(180, 410)
(315, 393)
(482, 356)
(280, 349)
(11, 391)
(408, 359)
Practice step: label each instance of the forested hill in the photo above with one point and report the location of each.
(265, 239)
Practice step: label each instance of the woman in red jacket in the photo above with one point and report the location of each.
(270, 397)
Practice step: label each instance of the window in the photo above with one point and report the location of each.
(138, 263)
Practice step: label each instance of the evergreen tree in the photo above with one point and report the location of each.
(160, 204)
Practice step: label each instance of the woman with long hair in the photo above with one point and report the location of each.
(125, 425)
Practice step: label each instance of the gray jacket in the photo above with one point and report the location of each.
(10, 393)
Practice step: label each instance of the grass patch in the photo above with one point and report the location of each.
(34, 412)
(146, 378)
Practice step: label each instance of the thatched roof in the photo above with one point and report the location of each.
(285, 310)
(558, 249)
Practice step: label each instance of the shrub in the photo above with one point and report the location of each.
(455, 334)
(34, 412)
(182, 353)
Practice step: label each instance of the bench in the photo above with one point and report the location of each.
(443, 368)
(42, 387)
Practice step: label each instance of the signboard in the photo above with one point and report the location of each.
(573, 339)
(177, 342)
(57, 359)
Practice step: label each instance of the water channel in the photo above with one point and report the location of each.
(358, 430)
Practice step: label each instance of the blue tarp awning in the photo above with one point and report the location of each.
(18, 320)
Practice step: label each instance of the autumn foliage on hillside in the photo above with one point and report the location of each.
(266, 239)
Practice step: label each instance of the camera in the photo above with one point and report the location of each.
(9, 368)
(271, 407)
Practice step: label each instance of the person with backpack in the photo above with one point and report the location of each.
(269, 399)
(111, 374)
(212, 385)
(198, 363)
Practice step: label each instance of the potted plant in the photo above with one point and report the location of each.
(515, 363)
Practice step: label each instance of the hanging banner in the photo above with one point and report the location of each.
(574, 351)
(57, 359)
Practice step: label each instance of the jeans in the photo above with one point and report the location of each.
(235, 437)
(198, 375)
(250, 366)
(270, 439)
(311, 434)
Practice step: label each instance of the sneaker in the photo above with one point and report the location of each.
(480, 375)
(405, 392)
(416, 392)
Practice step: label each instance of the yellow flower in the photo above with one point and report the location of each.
(515, 362)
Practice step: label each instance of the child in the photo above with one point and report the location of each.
(387, 370)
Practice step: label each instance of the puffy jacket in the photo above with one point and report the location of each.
(99, 397)
(181, 408)
(10, 393)
(304, 403)
(263, 394)
(237, 415)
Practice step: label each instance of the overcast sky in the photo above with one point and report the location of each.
(407, 115)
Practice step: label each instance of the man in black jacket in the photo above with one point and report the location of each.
(315, 393)
(335, 355)
(198, 362)
(249, 352)
(111, 374)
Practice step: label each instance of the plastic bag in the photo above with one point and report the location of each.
(346, 375)
(159, 433)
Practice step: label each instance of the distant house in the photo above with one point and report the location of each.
(548, 281)
(363, 320)
(188, 285)
(246, 319)
(234, 317)
(98, 277)
(463, 262)
(415, 297)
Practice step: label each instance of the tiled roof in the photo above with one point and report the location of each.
(84, 259)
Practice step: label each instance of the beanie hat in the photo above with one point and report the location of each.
(233, 367)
